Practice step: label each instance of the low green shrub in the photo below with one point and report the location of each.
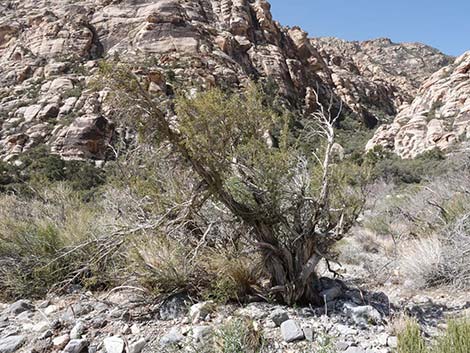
(38, 167)
(239, 336)
(391, 167)
(456, 338)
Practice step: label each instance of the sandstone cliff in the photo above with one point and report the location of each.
(376, 77)
(49, 53)
(49, 50)
(439, 116)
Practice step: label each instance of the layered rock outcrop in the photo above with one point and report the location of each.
(49, 53)
(438, 117)
(376, 77)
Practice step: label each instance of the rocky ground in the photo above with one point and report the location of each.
(127, 320)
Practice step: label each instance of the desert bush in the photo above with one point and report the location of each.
(455, 264)
(38, 167)
(233, 275)
(420, 261)
(239, 336)
(389, 166)
(294, 206)
(166, 266)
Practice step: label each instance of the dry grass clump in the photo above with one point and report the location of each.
(48, 241)
(233, 274)
(239, 336)
(166, 265)
(456, 338)
(422, 230)
(420, 261)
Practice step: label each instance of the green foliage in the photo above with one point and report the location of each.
(352, 135)
(232, 274)
(411, 340)
(326, 344)
(390, 167)
(73, 92)
(456, 338)
(39, 167)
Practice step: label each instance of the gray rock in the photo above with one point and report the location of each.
(278, 316)
(174, 308)
(138, 346)
(41, 326)
(20, 306)
(78, 330)
(308, 333)
(46, 334)
(199, 311)
(76, 346)
(332, 293)
(392, 342)
(354, 350)
(174, 336)
(363, 315)
(113, 344)
(61, 341)
(341, 346)
(291, 331)
(11, 344)
(200, 333)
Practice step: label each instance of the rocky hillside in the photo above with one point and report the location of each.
(49, 51)
(439, 116)
(376, 77)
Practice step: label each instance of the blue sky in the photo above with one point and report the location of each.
(444, 24)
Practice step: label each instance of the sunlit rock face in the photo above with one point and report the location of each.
(49, 54)
(438, 117)
(376, 77)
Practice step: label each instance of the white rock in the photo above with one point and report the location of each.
(76, 346)
(78, 330)
(291, 331)
(138, 346)
(172, 337)
(113, 345)
(61, 341)
(201, 332)
(11, 344)
(41, 326)
(199, 311)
